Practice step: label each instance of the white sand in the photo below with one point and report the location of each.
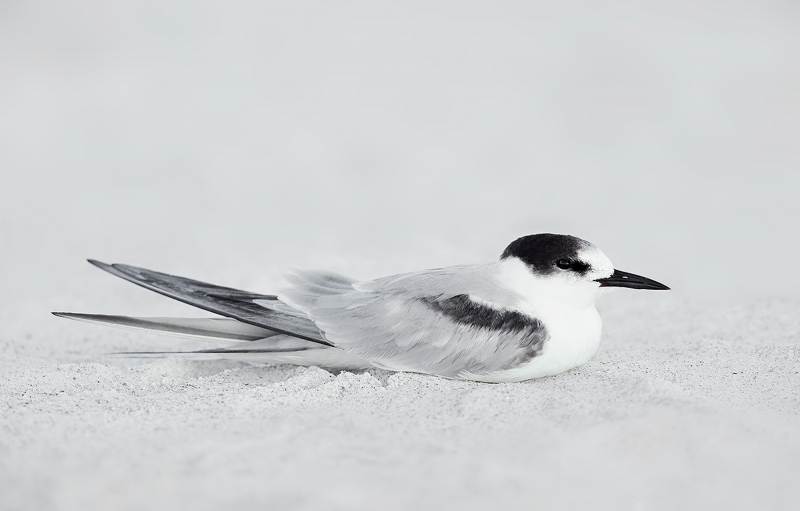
(678, 410)
(230, 141)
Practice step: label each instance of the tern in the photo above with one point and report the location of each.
(530, 314)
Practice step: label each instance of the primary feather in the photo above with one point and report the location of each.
(233, 303)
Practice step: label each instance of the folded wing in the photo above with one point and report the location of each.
(251, 308)
(444, 322)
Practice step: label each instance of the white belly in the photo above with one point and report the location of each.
(574, 337)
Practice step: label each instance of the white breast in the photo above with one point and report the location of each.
(573, 340)
(568, 313)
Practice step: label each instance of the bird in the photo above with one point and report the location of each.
(527, 315)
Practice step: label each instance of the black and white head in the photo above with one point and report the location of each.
(572, 262)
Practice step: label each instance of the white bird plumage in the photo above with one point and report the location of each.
(528, 315)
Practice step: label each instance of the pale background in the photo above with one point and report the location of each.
(230, 141)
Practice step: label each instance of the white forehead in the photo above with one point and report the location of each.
(600, 265)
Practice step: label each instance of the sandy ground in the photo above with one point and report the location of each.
(231, 141)
(682, 409)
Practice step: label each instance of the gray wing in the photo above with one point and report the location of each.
(251, 308)
(437, 322)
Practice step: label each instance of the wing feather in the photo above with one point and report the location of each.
(422, 322)
(233, 303)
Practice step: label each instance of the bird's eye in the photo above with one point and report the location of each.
(564, 264)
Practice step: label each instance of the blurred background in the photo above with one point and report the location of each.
(229, 141)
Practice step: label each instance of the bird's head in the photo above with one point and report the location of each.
(572, 264)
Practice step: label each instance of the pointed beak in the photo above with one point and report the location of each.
(633, 281)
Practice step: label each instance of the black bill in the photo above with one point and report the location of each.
(631, 280)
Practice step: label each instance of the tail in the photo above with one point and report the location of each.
(244, 341)
(209, 329)
(277, 350)
(263, 311)
(258, 327)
